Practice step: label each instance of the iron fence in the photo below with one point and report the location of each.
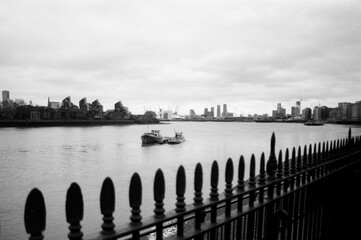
(305, 193)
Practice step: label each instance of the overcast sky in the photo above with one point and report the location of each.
(185, 54)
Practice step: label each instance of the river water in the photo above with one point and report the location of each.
(51, 158)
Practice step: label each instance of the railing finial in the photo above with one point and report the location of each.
(252, 171)
(241, 169)
(229, 178)
(107, 205)
(214, 181)
(135, 198)
(159, 192)
(272, 161)
(198, 185)
(35, 214)
(180, 189)
(262, 170)
(74, 209)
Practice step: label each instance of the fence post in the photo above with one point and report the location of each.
(252, 194)
(240, 187)
(214, 196)
(261, 182)
(198, 199)
(286, 171)
(228, 194)
(271, 229)
(35, 215)
(74, 209)
(107, 206)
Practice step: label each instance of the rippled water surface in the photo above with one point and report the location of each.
(51, 158)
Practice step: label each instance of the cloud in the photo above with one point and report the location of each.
(188, 53)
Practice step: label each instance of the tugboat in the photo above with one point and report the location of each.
(178, 138)
(152, 137)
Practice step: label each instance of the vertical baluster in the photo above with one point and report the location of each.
(228, 194)
(180, 204)
(261, 183)
(198, 199)
(74, 209)
(338, 147)
(279, 172)
(286, 171)
(314, 158)
(299, 160)
(252, 194)
(214, 196)
(304, 165)
(272, 161)
(309, 163)
(158, 193)
(35, 215)
(286, 201)
(319, 153)
(107, 206)
(327, 151)
(240, 187)
(262, 171)
(293, 167)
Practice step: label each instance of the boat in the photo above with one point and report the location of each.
(313, 123)
(264, 120)
(178, 138)
(152, 137)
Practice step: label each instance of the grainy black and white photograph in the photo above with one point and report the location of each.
(157, 119)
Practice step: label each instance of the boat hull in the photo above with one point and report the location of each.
(150, 139)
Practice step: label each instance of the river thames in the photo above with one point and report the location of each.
(51, 158)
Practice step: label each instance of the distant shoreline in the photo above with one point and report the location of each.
(56, 123)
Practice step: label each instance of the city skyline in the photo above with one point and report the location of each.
(190, 54)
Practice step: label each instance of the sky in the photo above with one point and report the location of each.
(182, 55)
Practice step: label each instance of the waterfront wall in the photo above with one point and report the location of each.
(301, 193)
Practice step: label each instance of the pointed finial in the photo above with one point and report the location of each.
(241, 169)
(214, 181)
(252, 172)
(272, 161)
(262, 170)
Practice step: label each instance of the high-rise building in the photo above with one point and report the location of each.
(224, 114)
(206, 112)
(297, 109)
(306, 114)
(280, 112)
(6, 95)
(212, 112)
(218, 111)
(192, 114)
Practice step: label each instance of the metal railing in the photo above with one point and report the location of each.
(301, 195)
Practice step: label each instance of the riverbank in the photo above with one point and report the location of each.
(56, 123)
